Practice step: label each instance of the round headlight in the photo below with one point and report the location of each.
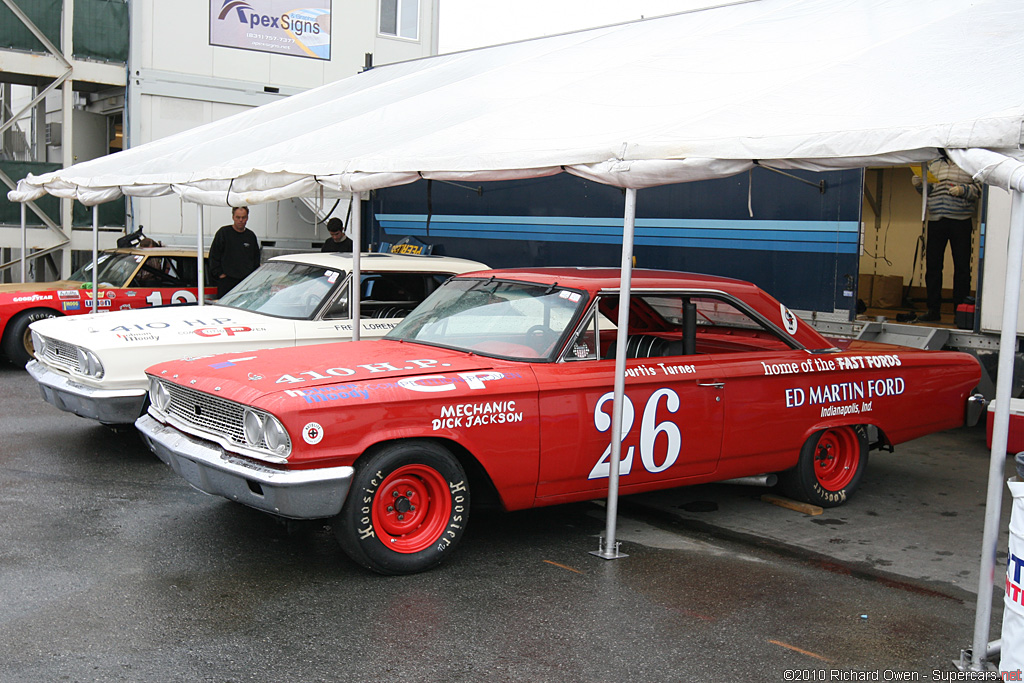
(88, 363)
(158, 394)
(253, 427)
(84, 361)
(95, 366)
(276, 436)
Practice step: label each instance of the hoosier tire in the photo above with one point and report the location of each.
(831, 466)
(18, 338)
(406, 509)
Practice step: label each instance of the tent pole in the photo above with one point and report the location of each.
(200, 265)
(95, 257)
(24, 246)
(609, 548)
(356, 235)
(1000, 432)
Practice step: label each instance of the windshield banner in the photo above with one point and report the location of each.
(288, 27)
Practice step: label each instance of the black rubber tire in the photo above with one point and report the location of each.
(368, 527)
(17, 339)
(804, 482)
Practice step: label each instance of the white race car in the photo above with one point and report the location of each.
(93, 365)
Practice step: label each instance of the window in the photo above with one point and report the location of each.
(400, 18)
(387, 295)
(671, 325)
(283, 289)
(114, 269)
(509, 319)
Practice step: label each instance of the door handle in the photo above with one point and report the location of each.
(716, 385)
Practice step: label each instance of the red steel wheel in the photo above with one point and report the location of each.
(831, 464)
(406, 509)
(412, 508)
(836, 458)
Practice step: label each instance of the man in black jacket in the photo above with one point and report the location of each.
(337, 241)
(235, 252)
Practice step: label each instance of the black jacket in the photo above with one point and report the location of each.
(235, 254)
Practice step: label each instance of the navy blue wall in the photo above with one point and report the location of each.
(801, 244)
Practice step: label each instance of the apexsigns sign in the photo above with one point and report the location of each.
(290, 27)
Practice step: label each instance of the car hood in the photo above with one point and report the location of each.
(377, 367)
(16, 287)
(163, 326)
(127, 342)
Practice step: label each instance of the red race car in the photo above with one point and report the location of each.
(500, 385)
(128, 278)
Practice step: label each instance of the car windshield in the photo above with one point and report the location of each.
(494, 318)
(114, 269)
(282, 289)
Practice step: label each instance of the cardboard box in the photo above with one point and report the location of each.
(1015, 437)
(865, 285)
(887, 291)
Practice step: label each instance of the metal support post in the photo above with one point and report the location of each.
(608, 548)
(356, 234)
(201, 272)
(1000, 432)
(24, 245)
(95, 258)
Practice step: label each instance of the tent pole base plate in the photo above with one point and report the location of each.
(992, 653)
(605, 553)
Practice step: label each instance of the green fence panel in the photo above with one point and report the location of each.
(101, 30)
(45, 14)
(10, 212)
(110, 213)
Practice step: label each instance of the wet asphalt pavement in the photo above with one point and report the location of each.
(113, 569)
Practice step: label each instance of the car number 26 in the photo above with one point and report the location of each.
(649, 432)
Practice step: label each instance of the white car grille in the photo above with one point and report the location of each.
(206, 413)
(61, 354)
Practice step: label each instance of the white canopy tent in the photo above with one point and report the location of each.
(808, 84)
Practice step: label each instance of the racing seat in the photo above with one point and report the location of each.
(391, 312)
(648, 346)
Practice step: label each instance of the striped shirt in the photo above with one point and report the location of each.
(941, 204)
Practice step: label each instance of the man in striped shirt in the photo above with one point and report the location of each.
(952, 198)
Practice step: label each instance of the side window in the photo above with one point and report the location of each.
(673, 325)
(166, 271)
(174, 270)
(392, 295)
(400, 18)
(154, 272)
(722, 327)
(386, 295)
(338, 310)
(585, 345)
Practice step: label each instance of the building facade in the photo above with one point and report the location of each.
(84, 78)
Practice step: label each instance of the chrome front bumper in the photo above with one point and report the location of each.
(297, 494)
(109, 406)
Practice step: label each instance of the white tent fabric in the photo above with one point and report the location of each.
(805, 84)
(792, 83)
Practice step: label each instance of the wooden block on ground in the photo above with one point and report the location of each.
(805, 508)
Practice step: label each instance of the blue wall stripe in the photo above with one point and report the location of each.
(805, 236)
(829, 226)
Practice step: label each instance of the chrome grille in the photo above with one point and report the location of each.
(61, 354)
(206, 413)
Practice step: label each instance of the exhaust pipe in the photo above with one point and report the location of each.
(756, 480)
